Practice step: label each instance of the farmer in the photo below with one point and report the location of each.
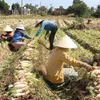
(18, 35)
(55, 73)
(48, 26)
(9, 34)
(89, 21)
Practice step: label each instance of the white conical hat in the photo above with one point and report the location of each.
(8, 29)
(65, 42)
(20, 26)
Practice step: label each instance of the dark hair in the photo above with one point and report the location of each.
(39, 23)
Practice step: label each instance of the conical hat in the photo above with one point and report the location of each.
(8, 29)
(65, 42)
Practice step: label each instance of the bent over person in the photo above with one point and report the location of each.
(48, 26)
(56, 74)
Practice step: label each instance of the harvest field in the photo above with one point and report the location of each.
(19, 70)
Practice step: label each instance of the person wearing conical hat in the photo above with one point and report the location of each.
(9, 34)
(18, 35)
(56, 74)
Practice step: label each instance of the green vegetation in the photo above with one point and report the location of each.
(97, 13)
(4, 7)
(78, 8)
(17, 7)
(87, 38)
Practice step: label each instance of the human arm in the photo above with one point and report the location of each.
(76, 63)
(26, 36)
(40, 30)
(4, 35)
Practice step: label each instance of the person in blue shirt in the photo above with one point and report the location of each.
(48, 26)
(18, 35)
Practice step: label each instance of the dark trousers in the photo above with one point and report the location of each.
(53, 86)
(51, 37)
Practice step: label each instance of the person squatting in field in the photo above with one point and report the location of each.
(9, 34)
(48, 26)
(18, 35)
(55, 73)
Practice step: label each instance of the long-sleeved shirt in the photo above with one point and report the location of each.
(46, 25)
(54, 68)
(18, 36)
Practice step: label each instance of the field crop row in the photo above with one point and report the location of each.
(62, 23)
(86, 38)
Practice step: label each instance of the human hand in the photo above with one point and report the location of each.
(88, 67)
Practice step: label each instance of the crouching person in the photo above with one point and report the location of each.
(56, 74)
(18, 35)
(9, 34)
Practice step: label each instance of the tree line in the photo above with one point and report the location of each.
(78, 8)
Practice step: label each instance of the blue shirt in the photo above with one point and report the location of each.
(18, 36)
(46, 25)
